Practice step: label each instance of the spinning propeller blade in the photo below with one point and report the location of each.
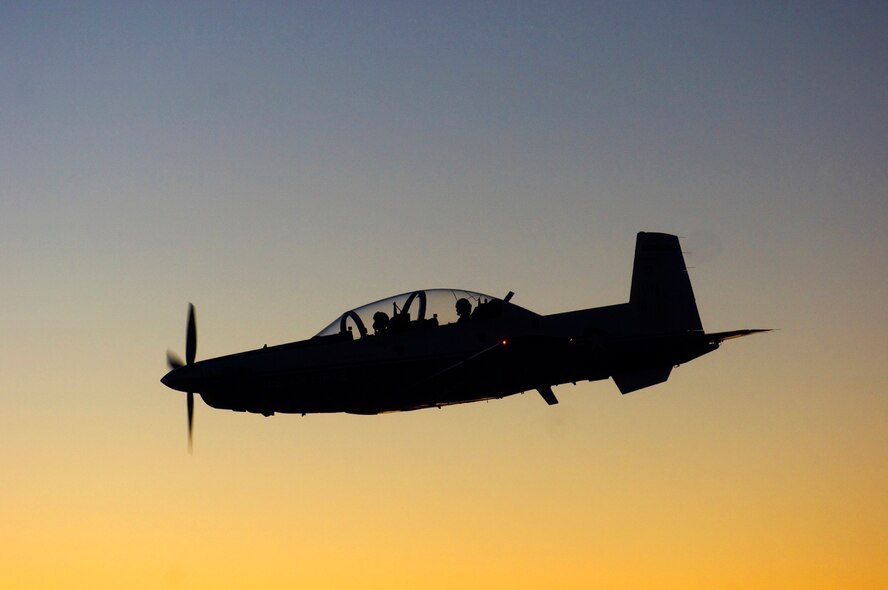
(175, 362)
(190, 418)
(191, 337)
(190, 353)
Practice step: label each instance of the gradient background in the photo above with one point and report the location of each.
(279, 164)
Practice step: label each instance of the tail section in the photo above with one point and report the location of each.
(666, 329)
(661, 295)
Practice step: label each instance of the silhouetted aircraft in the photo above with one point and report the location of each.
(439, 347)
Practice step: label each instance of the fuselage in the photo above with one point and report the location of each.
(428, 365)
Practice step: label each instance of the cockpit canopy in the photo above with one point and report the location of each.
(431, 307)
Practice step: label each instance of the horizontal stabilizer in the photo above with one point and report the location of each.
(633, 380)
(718, 337)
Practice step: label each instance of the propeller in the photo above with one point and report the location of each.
(175, 362)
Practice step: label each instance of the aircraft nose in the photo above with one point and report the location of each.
(169, 379)
(183, 378)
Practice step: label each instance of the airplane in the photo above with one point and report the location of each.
(433, 348)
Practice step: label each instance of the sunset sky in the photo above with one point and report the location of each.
(279, 163)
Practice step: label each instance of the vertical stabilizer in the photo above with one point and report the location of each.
(661, 296)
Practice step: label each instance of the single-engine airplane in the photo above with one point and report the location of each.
(433, 348)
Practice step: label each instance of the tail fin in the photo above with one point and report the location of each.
(661, 295)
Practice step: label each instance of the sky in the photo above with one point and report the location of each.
(279, 163)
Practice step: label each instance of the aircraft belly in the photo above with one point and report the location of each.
(356, 387)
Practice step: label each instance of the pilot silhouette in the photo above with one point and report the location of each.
(463, 309)
(380, 322)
